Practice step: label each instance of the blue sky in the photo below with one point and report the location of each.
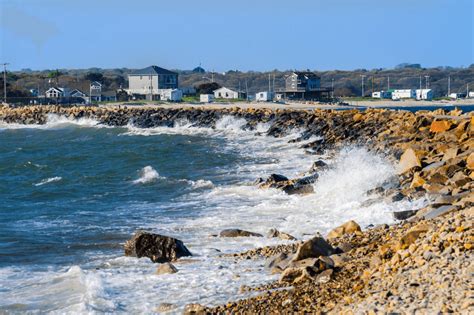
(245, 35)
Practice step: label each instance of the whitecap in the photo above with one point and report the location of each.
(49, 180)
(147, 175)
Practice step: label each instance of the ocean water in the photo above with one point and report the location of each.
(72, 192)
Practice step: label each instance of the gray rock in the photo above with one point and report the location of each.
(295, 189)
(403, 215)
(433, 213)
(282, 235)
(158, 248)
(238, 233)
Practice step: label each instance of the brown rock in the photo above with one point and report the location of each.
(408, 160)
(440, 126)
(417, 181)
(238, 233)
(313, 248)
(347, 228)
(470, 161)
(194, 308)
(279, 234)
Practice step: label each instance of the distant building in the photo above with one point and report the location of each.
(304, 85)
(174, 95)
(264, 96)
(199, 69)
(150, 81)
(34, 92)
(57, 92)
(382, 94)
(77, 93)
(206, 98)
(227, 93)
(188, 90)
(455, 96)
(108, 96)
(95, 93)
(403, 94)
(424, 94)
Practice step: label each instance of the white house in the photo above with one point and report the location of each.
(401, 94)
(471, 95)
(77, 93)
(206, 98)
(57, 92)
(224, 92)
(424, 94)
(174, 95)
(264, 96)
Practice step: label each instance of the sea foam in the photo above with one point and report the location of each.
(147, 175)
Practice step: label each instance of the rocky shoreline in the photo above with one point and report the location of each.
(423, 264)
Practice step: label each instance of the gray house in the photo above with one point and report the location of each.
(151, 81)
(303, 85)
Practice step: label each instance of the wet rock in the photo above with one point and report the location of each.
(346, 228)
(158, 248)
(166, 268)
(295, 189)
(375, 191)
(313, 248)
(318, 166)
(307, 180)
(238, 233)
(403, 215)
(282, 235)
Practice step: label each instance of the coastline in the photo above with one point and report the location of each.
(437, 163)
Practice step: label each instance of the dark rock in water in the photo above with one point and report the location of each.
(238, 233)
(317, 166)
(396, 197)
(294, 189)
(307, 180)
(277, 178)
(313, 248)
(259, 181)
(375, 191)
(157, 247)
(403, 215)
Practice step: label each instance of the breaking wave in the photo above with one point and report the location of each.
(147, 175)
(49, 180)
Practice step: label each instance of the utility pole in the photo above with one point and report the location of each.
(449, 85)
(332, 88)
(420, 88)
(363, 76)
(5, 81)
(467, 90)
(427, 78)
(388, 83)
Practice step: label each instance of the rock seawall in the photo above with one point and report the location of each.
(397, 268)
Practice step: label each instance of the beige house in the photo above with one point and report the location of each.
(151, 81)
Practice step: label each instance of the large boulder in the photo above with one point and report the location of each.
(440, 126)
(237, 233)
(313, 248)
(158, 248)
(347, 228)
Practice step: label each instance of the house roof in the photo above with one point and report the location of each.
(77, 91)
(55, 88)
(224, 89)
(152, 70)
(95, 83)
(308, 74)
